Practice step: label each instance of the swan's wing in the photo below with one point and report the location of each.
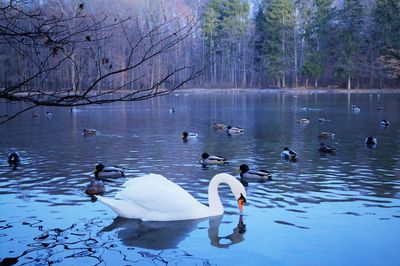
(155, 193)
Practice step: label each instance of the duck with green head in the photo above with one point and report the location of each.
(104, 172)
(246, 173)
(207, 159)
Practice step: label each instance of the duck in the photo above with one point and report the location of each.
(246, 173)
(234, 130)
(213, 159)
(355, 109)
(102, 171)
(289, 155)
(303, 121)
(326, 135)
(385, 123)
(90, 132)
(49, 114)
(326, 149)
(172, 110)
(371, 142)
(96, 187)
(186, 136)
(14, 159)
(153, 197)
(218, 126)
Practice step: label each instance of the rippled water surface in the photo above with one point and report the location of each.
(341, 209)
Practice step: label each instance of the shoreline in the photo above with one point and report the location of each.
(238, 90)
(289, 90)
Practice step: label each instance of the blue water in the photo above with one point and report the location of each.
(341, 209)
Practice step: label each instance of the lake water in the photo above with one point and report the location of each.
(341, 209)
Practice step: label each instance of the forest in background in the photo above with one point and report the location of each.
(104, 45)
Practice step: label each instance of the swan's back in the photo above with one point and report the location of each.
(153, 197)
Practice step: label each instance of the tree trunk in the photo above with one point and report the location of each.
(244, 80)
(349, 82)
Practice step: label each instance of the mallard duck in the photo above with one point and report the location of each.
(14, 159)
(155, 198)
(102, 171)
(326, 135)
(218, 126)
(371, 142)
(385, 123)
(246, 173)
(213, 159)
(323, 148)
(90, 132)
(95, 187)
(303, 121)
(234, 130)
(355, 109)
(186, 136)
(288, 154)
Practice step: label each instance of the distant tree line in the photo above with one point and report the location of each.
(292, 43)
(78, 47)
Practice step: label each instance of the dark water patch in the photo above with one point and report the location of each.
(348, 213)
(295, 210)
(291, 224)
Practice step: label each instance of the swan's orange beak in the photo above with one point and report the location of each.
(241, 202)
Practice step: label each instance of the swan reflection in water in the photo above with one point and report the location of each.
(236, 237)
(168, 235)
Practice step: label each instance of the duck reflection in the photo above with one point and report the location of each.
(168, 235)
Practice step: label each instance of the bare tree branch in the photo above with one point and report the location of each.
(79, 59)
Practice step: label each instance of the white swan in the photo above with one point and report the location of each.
(154, 198)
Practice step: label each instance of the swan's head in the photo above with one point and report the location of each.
(241, 201)
(236, 187)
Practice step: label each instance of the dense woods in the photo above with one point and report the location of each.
(287, 43)
(76, 47)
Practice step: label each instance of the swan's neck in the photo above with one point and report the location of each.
(214, 200)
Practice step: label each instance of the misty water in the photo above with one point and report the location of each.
(341, 209)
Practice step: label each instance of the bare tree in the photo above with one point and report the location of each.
(73, 60)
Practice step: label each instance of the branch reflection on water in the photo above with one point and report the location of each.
(168, 235)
